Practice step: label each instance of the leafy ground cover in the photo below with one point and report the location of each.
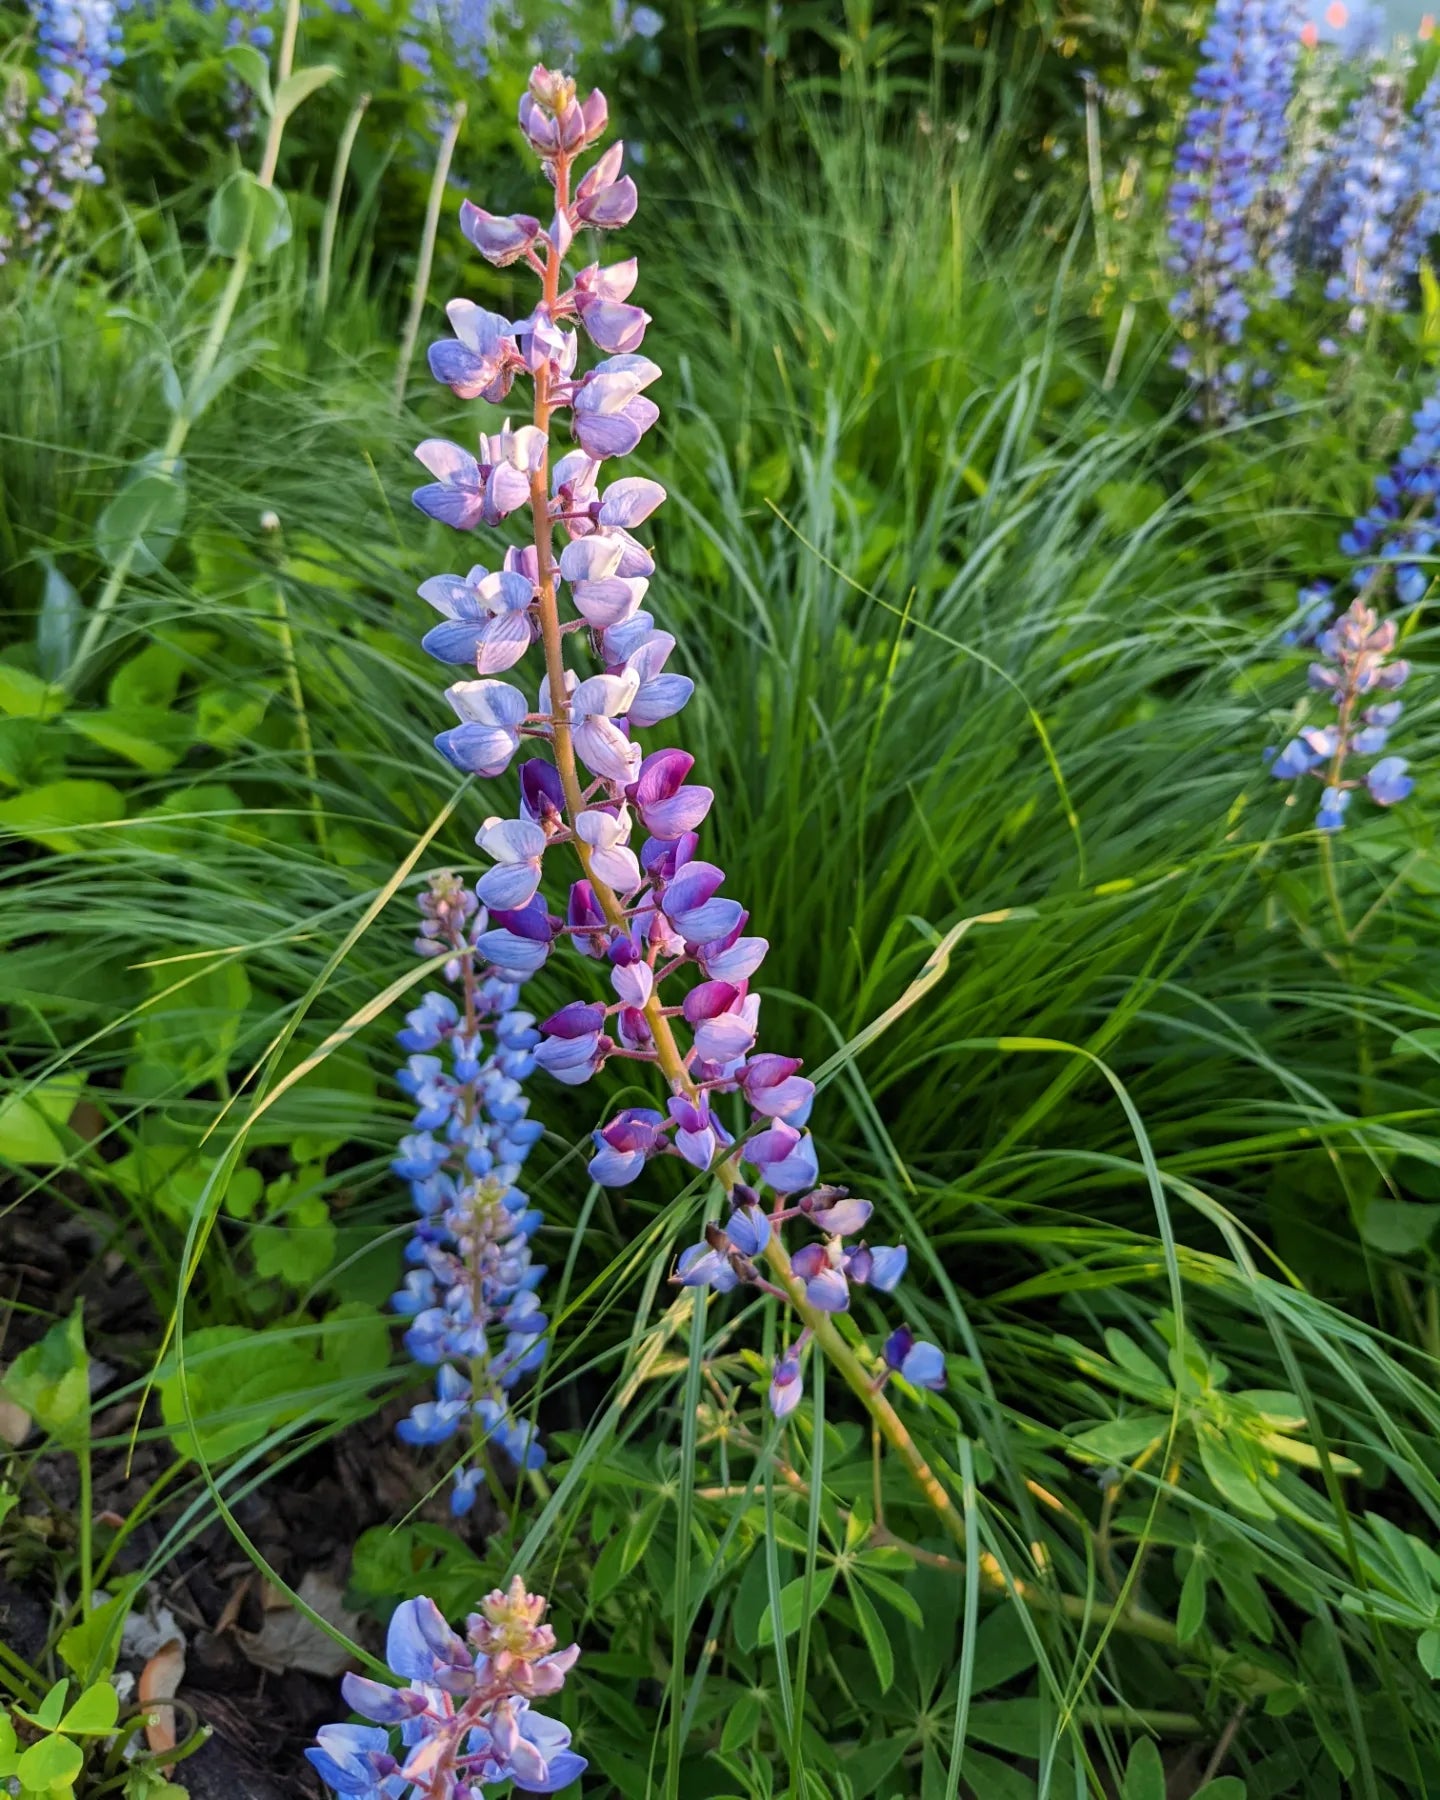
(989, 638)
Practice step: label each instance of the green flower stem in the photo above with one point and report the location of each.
(891, 1427)
(87, 1527)
(862, 1384)
(220, 324)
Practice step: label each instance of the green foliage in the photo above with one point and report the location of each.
(54, 1761)
(51, 1382)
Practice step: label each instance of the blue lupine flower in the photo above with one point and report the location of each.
(79, 44)
(1333, 803)
(1388, 783)
(467, 1718)
(1354, 665)
(1401, 524)
(1372, 167)
(355, 1760)
(1225, 196)
(786, 1387)
(920, 1363)
(470, 1300)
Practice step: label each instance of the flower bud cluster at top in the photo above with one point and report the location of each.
(647, 906)
(465, 1719)
(470, 1293)
(78, 45)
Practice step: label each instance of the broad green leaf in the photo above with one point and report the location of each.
(1399, 1227)
(90, 1648)
(191, 1032)
(884, 1588)
(741, 1724)
(248, 217)
(1190, 1615)
(48, 1713)
(50, 814)
(245, 1384)
(227, 717)
(59, 621)
(1144, 1773)
(150, 679)
(1014, 1725)
(1229, 1478)
(295, 89)
(144, 518)
(1117, 1440)
(993, 1779)
(1228, 1787)
(868, 1767)
(254, 71)
(51, 1382)
(94, 1713)
(792, 1605)
(150, 737)
(298, 1249)
(877, 1640)
(24, 695)
(243, 1191)
(1280, 1410)
(28, 1123)
(1133, 1359)
(51, 1765)
(242, 1385)
(1427, 1648)
(1003, 1649)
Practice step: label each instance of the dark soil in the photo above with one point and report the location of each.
(305, 1519)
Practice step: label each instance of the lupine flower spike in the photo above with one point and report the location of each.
(470, 1294)
(647, 905)
(1225, 202)
(1357, 675)
(466, 1721)
(79, 43)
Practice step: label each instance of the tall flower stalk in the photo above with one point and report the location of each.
(1225, 202)
(645, 905)
(470, 1293)
(1355, 669)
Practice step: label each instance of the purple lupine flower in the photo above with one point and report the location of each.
(1401, 524)
(469, 1299)
(466, 1720)
(1372, 169)
(1225, 194)
(647, 905)
(921, 1364)
(1355, 671)
(78, 44)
